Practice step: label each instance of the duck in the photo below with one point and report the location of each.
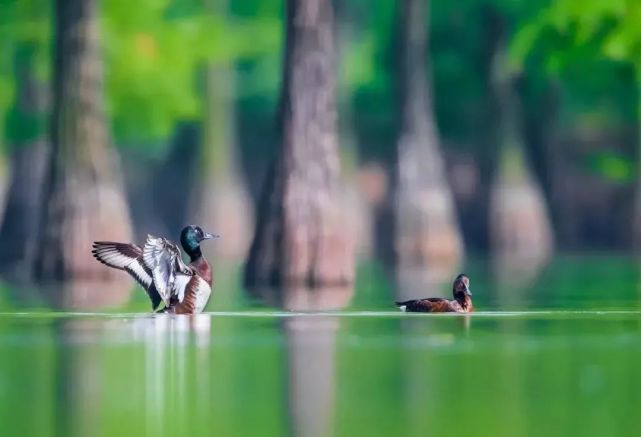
(462, 302)
(159, 269)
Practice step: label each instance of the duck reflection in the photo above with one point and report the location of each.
(101, 369)
(311, 354)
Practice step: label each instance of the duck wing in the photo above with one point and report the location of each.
(427, 305)
(168, 271)
(127, 257)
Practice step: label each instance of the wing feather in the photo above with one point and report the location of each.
(127, 257)
(164, 261)
(123, 257)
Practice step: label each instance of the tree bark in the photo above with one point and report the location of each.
(520, 226)
(83, 199)
(27, 159)
(300, 236)
(635, 217)
(426, 231)
(221, 201)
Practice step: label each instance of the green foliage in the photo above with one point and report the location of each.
(24, 39)
(154, 52)
(612, 166)
(609, 26)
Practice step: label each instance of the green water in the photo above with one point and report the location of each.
(558, 354)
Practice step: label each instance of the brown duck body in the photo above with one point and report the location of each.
(436, 305)
(462, 302)
(190, 304)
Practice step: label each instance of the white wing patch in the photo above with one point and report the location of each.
(164, 260)
(203, 291)
(122, 256)
(180, 286)
(139, 273)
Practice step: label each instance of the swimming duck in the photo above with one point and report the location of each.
(462, 302)
(159, 269)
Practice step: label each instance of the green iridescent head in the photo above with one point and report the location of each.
(191, 237)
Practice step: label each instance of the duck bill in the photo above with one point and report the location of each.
(209, 236)
(468, 292)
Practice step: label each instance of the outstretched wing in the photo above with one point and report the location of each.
(127, 257)
(163, 259)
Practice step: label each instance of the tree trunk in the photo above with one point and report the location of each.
(426, 231)
(636, 202)
(300, 236)
(222, 203)
(27, 166)
(173, 179)
(519, 223)
(84, 199)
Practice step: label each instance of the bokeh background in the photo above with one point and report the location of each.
(500, 131)
(349, 153)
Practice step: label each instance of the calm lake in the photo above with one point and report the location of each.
(556, 352)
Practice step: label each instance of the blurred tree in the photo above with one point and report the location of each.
(583, 32)
(26, 33)
(519, 221)
(221, 200)
(426, 232)
(27, 136)
(300, 235)
(83, 199)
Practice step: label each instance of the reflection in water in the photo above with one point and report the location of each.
(170, 369)
(311, 351)
(158, 383)
(311, 372)
(79, 375)
(347, 375)
(422, 378)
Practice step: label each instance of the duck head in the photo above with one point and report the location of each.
(191, 237)
(461, 288)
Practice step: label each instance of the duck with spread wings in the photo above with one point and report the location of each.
(159, 269)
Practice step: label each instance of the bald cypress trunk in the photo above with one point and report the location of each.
(520, 226)
(635, 216)
(27, 156)
(301, 236)
(221, 201)
(426, 231)
(83, 198)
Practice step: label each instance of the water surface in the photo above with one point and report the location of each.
(556, 356)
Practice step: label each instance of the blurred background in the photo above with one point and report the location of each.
(349, 153)
(490, 135)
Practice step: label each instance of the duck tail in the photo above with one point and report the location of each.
(403, 305)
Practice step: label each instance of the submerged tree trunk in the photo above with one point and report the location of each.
(27, 164)
(519, 222)
(83, 199)
(301, 236)
(426, 231)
